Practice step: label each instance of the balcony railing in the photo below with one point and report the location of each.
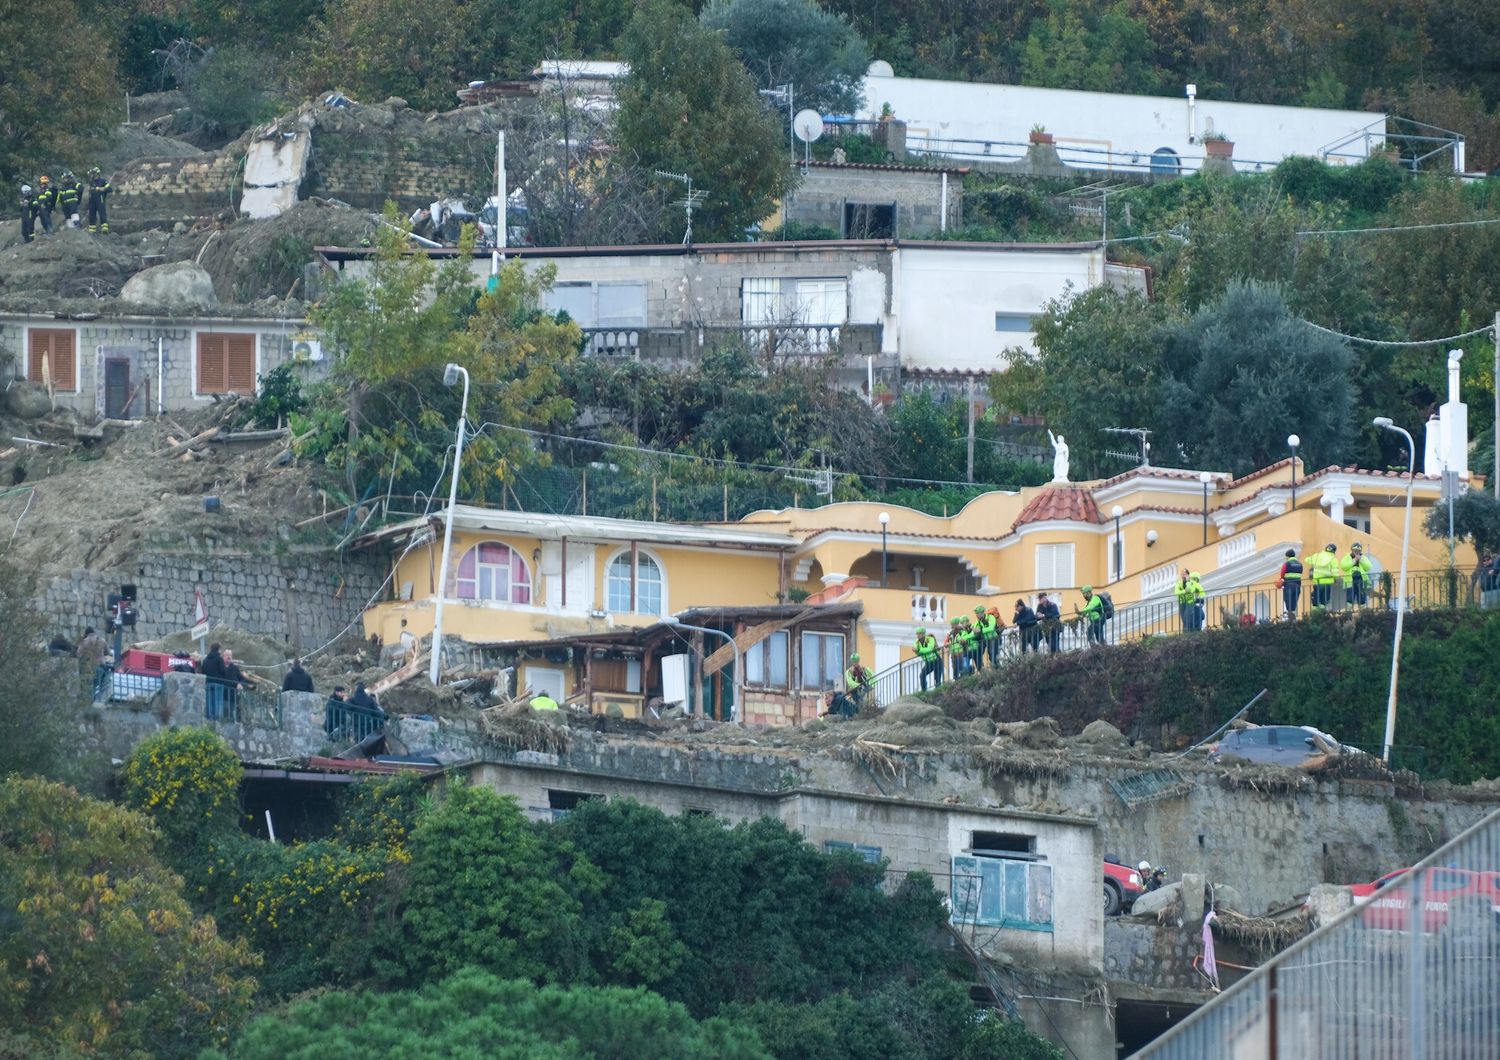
(688, 343)
(929, 607)
(1245, 605)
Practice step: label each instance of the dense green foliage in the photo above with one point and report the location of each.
(1329, 672)
(473, 1014)
(688, 107)
(795, 42)
(100, 954)
(43, 699)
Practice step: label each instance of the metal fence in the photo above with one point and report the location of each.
(1409, 972)
(1237, 606)
(244, 706)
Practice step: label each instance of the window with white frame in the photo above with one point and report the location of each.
(766, 663)
(493, 571)
(599, 305)
(1054, 566)
(822, 659)
(807, 313)
(648, 585)
(1001, 892)
(1014, 323)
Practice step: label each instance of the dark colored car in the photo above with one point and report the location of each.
(1122, 886)
(1276, 745)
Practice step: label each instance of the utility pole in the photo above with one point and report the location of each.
(971, 431)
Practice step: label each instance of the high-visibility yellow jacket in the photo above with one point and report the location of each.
(1323, 566)
(543, 702)
(1348, 565)
(927, 648)
(1188, 592)
(1093, 608)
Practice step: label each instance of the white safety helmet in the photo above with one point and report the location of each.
(25, 189)
(1144, 866)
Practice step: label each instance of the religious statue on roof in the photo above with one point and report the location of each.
(1059, 456)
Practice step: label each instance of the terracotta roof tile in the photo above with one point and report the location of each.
(1070, 504)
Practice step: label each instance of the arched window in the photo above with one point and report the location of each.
(493, 571)
(648, 584)
(1165, 163)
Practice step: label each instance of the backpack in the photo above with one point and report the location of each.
(1109, 605)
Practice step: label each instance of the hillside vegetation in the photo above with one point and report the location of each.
(1331, 673)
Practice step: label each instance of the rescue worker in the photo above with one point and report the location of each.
(46, 198)
(957, 655)
(1025, 622)
(69, 196)
(1050, 617)
(542, 701)
(1189, 591)
(1289, 581)
(99, 189)
(859, 682)
(1324, 571)
(1093, 615)
(28, 214)
(974, 643)
(992, 642)
(1355, 567)
(987, 634)
(931, 654)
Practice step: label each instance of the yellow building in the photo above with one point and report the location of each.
(800, 587)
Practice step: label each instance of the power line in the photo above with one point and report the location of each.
(738, 464)
(1398, 228)
(1391, 342)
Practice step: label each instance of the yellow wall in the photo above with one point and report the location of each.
(693, 578)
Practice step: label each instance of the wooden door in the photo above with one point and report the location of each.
(116, 388)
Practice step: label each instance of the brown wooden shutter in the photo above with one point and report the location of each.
(239, 358)
(211, 364)
(58, 347)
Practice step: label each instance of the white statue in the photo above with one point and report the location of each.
(1059, 457)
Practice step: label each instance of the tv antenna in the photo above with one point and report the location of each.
(821, 478)
(689, 202)
(1141, 434)
(808, 125)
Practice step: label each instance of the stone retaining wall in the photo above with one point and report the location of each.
(301, 598)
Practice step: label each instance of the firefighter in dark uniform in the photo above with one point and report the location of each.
(69, 196)
(28, 214)
(99, 189)
(1290, 581)
(46, 198)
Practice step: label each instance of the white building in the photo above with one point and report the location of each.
(938, 306)
(1108, 131)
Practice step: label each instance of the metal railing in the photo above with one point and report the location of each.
(1409, 971)
(244, 706)
(351, 725)
(1237, 606)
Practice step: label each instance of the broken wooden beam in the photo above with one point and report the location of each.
(398, 676)
(192, 443)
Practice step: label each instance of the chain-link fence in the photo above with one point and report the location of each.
(1409, 972)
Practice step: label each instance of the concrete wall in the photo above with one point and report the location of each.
(172, 379)
(1109, 122)
(161, 191)
(296, 596)
(949, 300)
(917, 193)
(910, 836)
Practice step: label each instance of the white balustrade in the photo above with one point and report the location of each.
(929, 608)
(1157, 581)
(1236, 548)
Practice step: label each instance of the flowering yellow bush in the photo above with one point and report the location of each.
(188, 781)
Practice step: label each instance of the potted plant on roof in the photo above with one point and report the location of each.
(1217, 145)
(1040, 135)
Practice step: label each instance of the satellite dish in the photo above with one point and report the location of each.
(880, 68)
(808, 125)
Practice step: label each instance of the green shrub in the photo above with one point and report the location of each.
(188, 782)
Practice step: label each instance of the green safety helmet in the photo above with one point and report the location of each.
(979, 610)
(955, 620)
(1088, 588)
(854, 657)
(921, 631)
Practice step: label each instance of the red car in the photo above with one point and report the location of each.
(1122, 886)
(1386, 902)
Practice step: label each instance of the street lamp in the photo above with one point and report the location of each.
(1292, 442)
(1205, 477)
(734, 685)
(1384, 423)
(450, 377)
(885, 518)
(1117, 511)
